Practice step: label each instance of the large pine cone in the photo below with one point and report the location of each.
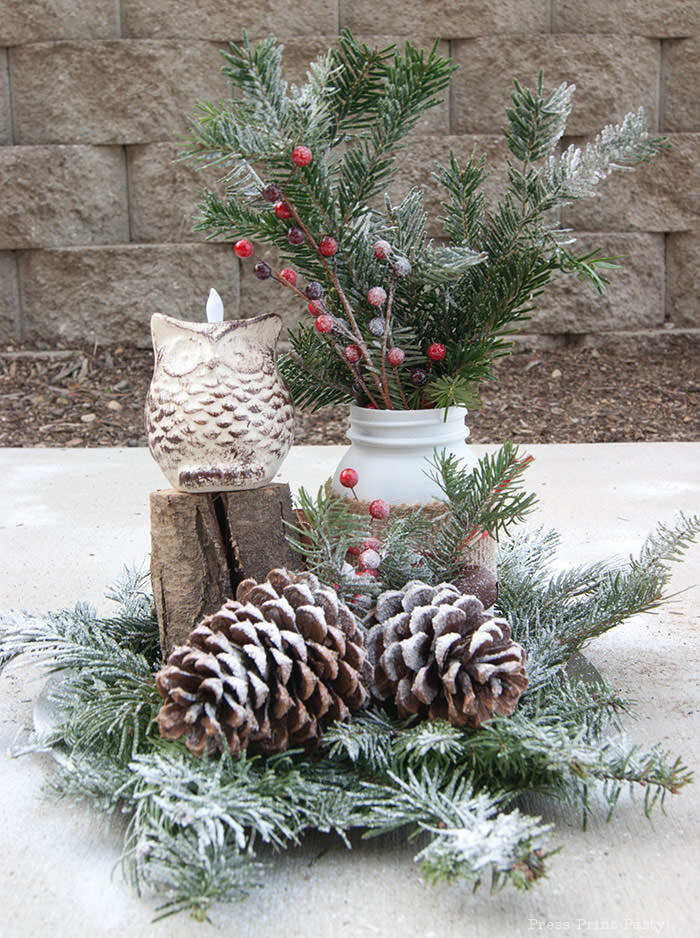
(270, 669)
(438, 655)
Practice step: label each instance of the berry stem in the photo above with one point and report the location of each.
(357, 334)
(400, 387)
(385, 337)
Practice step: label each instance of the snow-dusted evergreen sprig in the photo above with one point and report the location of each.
(536, 120)
(472, 837)
(486, 500)
(579, 604)
(509, 846)
(577, 172)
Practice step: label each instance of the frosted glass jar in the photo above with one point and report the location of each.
(390, 450)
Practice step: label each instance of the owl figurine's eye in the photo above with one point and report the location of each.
(182, 356)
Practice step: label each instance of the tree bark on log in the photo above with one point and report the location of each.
(204, 544)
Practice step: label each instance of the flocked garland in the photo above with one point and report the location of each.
(196, 824)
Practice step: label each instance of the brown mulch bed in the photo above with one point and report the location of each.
(83, 396)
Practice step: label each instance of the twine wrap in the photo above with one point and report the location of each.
(482, 552)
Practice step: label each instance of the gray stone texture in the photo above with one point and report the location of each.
(612, 75)
(24, 21)
(123, 92)
(164, 193)
(459, 19)
(681, 100)
(634, 298)
(683, 269)
(664, 19)
(5, 114)
(108, 294)
(57, 196)
(663, 196)
(8, 296)
(222, 20)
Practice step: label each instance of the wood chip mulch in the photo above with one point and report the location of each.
(80, 396)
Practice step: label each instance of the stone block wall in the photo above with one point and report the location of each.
(96, 217)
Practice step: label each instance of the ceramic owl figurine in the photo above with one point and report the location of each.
(218, 415)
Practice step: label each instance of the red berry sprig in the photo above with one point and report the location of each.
(352, 353)
(376, 296)
(369, 559)
(379, 509)
(301, 156)
(243, 248)
(324, 323)
(436, 352)
(289, 275)
(282, 210)
(348, 478)
(328, 246)
(381, 249)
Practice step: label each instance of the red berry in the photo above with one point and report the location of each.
(395, 356)
(302, 156)
(369, 559)
(372, 543)
(371, 407)
(324, 323)
(353, 353)
(271, 192)
(295, 235)
(436, 352)
(282, 210)
(316, 307)
(382, 249)
(376, 296)
(289, 275)
(348, 478)
(353, 551)
(328, 246)
(243, 248)
(379, 508)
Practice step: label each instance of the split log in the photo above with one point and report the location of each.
(204, 544)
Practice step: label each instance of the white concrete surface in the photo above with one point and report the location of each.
(70, 519)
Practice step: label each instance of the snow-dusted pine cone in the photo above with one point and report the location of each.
(270, 669)
(438, 655)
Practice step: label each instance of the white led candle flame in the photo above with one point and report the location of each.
(215, 308)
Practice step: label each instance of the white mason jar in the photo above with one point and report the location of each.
(391, 451)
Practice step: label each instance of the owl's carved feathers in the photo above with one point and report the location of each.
(218, 415)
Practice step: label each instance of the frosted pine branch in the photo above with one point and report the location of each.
(576, 173)
(511, 846)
